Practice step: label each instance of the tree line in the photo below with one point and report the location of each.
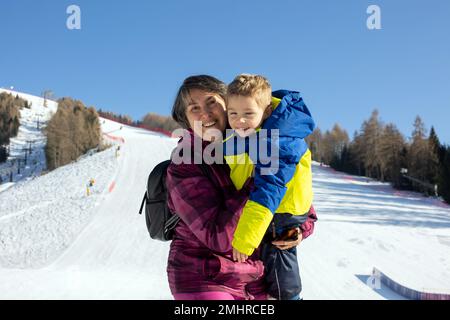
(153, 120)
(10, 107)
(380, 151)
(124, 119)
(72, 131)
(150, 121)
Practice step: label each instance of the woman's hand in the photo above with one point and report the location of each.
(288, 244)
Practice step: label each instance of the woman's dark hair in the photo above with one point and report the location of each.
(201, 82)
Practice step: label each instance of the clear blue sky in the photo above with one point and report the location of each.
(131, 56)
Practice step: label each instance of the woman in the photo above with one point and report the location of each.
(200, 265)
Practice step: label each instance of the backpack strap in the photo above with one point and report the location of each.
(143, 201)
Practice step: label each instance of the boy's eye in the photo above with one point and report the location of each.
(232, 114)
(249, 113)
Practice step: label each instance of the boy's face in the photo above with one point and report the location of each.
(245, 115)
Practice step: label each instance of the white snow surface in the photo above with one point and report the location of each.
(58, 243)
(365, 224)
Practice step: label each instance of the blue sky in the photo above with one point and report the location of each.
(130, 57)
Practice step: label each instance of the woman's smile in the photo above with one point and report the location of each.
(209, 124)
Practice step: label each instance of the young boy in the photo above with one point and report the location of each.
(280, 201)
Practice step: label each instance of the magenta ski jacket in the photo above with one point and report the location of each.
(200, 257)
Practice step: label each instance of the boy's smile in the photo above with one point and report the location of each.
(245, 115)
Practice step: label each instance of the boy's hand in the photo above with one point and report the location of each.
(239, 257)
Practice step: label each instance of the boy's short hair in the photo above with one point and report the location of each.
(249, 85)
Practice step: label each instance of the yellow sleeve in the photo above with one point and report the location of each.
(252, 226)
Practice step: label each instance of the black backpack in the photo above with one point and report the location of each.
(159, 219)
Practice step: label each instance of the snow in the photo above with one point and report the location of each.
(57, 243)
(39, 219)
(29, 135)
(365, 224)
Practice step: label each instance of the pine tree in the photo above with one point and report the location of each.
(3, 154)
(435, 157)
(417, 161)
(356, 153)
(444, 176)
(422, 159)
(9, 116)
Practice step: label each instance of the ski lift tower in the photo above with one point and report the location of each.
(47, 95)
(30, 146)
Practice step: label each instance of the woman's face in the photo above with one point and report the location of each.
(208, 109)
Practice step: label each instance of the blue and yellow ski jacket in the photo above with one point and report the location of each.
(289, 188)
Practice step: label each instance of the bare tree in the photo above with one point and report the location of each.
(71, 132)
(333, 143)
(371, 133)
(314, 141)
(391, 154)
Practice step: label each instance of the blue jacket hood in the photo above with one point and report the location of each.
(292, 117)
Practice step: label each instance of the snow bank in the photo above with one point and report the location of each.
(39, 219)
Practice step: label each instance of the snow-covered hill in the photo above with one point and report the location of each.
(27, 157)
(98, 247)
